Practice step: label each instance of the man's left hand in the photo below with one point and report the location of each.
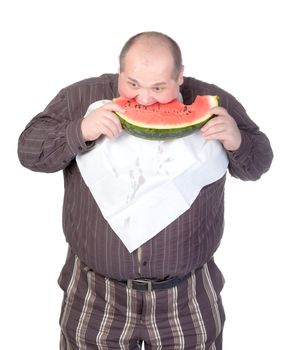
(222, 128)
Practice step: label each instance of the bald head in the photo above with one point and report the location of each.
(152, 44)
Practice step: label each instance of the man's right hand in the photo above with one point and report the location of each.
(102, 121)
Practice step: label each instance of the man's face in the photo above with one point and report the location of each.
(147, 76)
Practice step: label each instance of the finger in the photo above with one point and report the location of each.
(113, 107)
(219, 136)
(114, 119)
(218, 110)
(113, 125)
(109, 130)
(214, 130)
(212, 122)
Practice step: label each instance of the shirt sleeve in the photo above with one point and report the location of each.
(53, 138)
(254, 156)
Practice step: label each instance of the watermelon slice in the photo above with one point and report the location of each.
(165, 121)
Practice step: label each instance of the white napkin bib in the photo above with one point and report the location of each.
(142, 186)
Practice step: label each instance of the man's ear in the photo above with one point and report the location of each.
(181, 76)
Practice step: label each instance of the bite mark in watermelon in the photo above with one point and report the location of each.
(165, 121)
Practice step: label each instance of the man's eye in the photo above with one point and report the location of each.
(133, 85)
(158, 89)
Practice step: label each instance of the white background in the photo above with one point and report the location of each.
(247, 48)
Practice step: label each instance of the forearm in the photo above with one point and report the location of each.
(253, 158)
(254, 155)
(52, 139)
(48, 148)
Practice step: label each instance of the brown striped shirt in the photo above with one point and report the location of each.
(51, 141)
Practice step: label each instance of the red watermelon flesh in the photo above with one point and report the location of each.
(164, 121)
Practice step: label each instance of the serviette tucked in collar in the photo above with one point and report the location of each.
(141, 186)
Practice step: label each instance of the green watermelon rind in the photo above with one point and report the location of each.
(166, 132)
(161, 134)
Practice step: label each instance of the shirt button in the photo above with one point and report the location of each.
(80, 148)
(144, 263)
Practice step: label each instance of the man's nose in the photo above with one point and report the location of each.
(144, 97)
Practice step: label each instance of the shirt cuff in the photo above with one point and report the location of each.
(243, 152)
(75, 139)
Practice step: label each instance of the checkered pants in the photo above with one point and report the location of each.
(100, 313)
